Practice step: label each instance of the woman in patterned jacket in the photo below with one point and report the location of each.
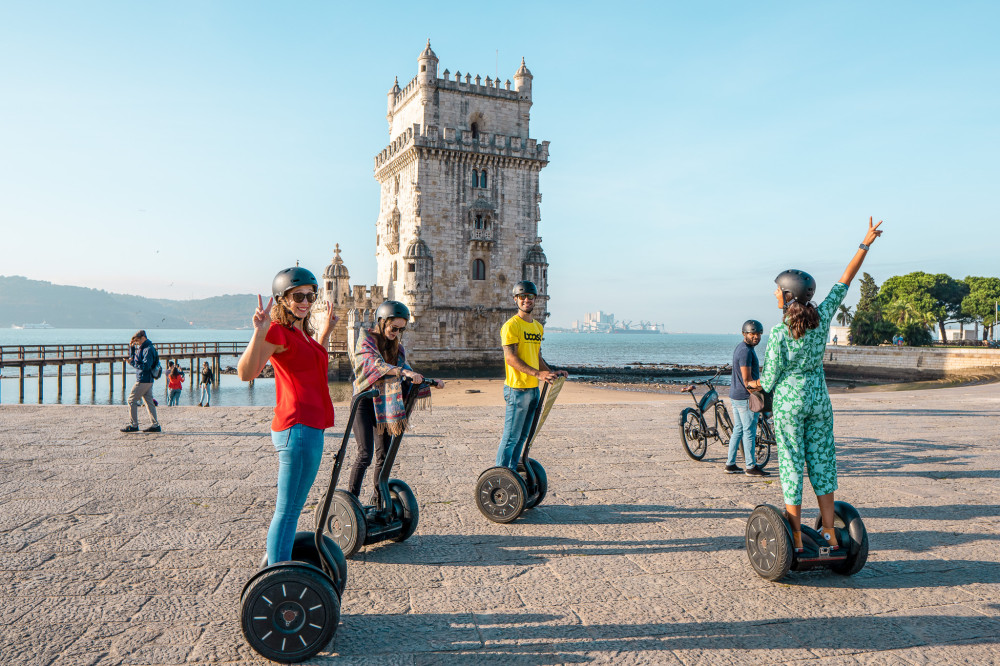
(803, 416)
(380, 360)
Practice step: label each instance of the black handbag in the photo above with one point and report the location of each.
(760, 401)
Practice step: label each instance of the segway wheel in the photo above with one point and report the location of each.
(304, 550)
(405, 503)
(543, 484)
(847, 521)
(768, 545)
(290, 613)
(346, 523)
(500, 494)
(693, 435)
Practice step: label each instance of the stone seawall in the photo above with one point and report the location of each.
(909, 363)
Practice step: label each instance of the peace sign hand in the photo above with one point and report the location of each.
(328, 321)
(873, 231)
(262, 315)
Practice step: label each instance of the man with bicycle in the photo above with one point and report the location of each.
(746, 368)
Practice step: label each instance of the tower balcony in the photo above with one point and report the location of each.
(481, 237)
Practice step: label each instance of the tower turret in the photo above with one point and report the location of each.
(522, 82)
(336, 280)
(392, 94)
(427, 66)
(418, 276)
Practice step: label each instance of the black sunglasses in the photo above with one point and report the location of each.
(396, 329)
(298, 297)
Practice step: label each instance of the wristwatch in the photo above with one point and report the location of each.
(864, 247)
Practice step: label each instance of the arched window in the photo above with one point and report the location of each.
(482, 178)
(479, 221)
(478, 269)
(475, 131)
(475, 178)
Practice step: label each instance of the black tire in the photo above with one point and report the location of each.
(304, 550)
(724, 424)
(693, 434)
(290, 613)
(405, 502)
(765, 440)
(769, 547)
(851, 534)
(500, 494)
(543, 484)
(346, 523)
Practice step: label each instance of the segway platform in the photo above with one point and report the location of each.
(503, 495)
(772, 555)
(289, 611)
(395, 514)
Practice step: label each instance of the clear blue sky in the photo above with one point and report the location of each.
(189, 149)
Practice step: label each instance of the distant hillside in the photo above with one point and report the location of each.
(34, 301)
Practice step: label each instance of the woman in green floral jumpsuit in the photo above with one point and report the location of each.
(793, 370)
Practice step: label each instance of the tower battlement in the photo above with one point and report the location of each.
(462, 140)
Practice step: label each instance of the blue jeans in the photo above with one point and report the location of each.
(745, 428)
(206, 395)
(300, 450)
(521, 405)
(175, 398)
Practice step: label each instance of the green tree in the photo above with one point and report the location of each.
(867, 328)
(928, 297)
(869, 294)
(844, 315)
(980, 304)
(916, 334)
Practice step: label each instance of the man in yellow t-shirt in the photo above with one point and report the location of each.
(521, 338)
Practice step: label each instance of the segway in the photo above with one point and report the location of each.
(502, 495)
(772, 555)
(289, 611)
(395, 513)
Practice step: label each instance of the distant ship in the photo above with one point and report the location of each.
(638, 331)
(42, 325)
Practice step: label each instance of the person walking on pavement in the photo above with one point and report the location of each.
(521, 337)
(207, 376)
(143, 357)
(746, 368)
(283, 334)
(793, 370)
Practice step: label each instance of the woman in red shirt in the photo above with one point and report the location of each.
(284, 335)
(175, 381)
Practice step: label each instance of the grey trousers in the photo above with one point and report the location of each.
(139, 393)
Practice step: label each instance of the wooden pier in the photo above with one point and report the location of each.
(94, 355)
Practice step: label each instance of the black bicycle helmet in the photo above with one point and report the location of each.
(525, 287)
(752, 326)
(296, 276)
(796, 285)
(392, 310)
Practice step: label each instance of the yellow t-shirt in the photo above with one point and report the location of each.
(528, 338)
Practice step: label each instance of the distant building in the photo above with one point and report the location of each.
(458, 213)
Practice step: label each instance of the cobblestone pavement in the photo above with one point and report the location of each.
(133, 548)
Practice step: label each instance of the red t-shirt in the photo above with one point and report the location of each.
(303, 395)
(175, 381)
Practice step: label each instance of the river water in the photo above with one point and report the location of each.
(559, 349)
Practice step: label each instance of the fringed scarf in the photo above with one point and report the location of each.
(370, 369)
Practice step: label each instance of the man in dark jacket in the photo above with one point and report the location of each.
(142, 357)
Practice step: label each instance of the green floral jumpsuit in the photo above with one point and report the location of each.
(803, 416)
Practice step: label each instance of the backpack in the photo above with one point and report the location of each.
(157, 370)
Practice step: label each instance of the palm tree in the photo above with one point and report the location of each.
(844, 315)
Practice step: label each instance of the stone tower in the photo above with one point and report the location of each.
(459, 210)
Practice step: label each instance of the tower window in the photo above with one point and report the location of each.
(478, 269)
(475, 131)
(479, 221)
(411, 268)
(423, 68)
(482, 178)
(475, 178)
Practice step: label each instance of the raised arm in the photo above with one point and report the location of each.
(258, 350)
(859, 256)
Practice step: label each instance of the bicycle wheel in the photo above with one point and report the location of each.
(765, 439)
(693, 434)
(724, 424)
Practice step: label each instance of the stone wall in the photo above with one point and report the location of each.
(909, 363)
